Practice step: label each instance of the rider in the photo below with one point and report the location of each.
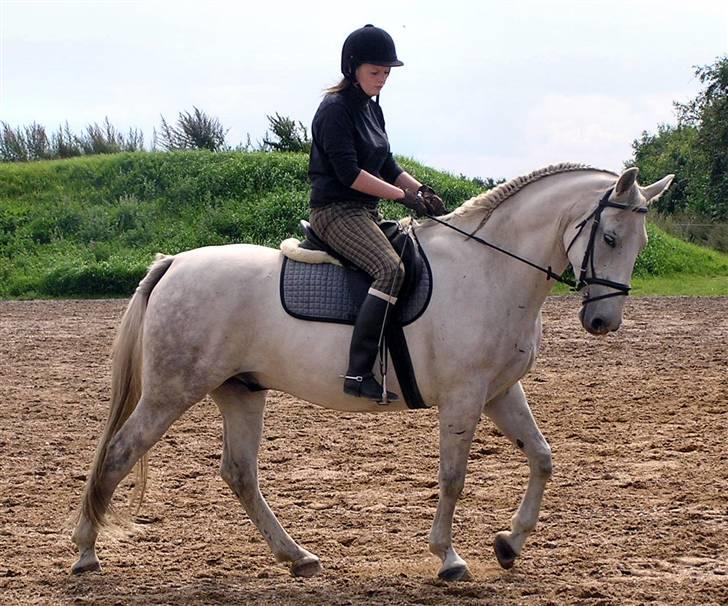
(351, 168)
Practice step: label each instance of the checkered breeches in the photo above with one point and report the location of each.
(352, 231)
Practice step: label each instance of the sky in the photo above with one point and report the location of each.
(489, 88)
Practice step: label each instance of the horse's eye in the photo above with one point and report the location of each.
(610, 239)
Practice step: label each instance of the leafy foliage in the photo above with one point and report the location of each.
(107, 140)
(193, 130)
(29, 143)
(696, 150)
(672, 150)
(288, 135)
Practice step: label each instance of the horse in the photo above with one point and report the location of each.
(209, 321)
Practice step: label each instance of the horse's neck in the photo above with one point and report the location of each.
(531, 224)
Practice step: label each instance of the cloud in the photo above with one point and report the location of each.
(594, 129)
(597, 129)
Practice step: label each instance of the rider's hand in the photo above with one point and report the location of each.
(434, 203)
(414, 201)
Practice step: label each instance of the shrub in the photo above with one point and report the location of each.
(194, 130)
(288, 135)
(92, 279)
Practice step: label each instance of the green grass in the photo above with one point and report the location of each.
(685, 285)
(679, 285)
(90, 226)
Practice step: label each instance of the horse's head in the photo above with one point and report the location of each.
(604, 251)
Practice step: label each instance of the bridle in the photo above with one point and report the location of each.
(587, 263)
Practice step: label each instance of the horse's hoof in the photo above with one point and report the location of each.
(86, 565)
(504, 552)
(456, 573)
(306, 567)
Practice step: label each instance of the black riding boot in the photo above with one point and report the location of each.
(359, 380)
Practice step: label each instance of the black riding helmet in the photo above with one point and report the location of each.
(367, 44)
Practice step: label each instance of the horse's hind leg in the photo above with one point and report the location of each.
(242, 412)
(137, 435)
(511, 414)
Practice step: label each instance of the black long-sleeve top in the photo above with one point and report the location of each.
(348, 135)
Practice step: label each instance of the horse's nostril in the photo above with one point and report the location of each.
(597, 324)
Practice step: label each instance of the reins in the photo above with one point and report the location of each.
(588, 260)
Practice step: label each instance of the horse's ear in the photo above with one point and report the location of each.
(626, 180)
(654, 191)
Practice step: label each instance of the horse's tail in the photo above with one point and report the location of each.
(126, 390)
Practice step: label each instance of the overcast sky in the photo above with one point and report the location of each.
(489, 88)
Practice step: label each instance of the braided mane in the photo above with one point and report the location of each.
(488, 201)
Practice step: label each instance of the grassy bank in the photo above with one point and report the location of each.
(89, 226)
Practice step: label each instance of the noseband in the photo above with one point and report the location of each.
(587, 262)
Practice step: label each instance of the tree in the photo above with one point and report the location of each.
(288, 134)
(12, 144)
(673, 149)
(106, 139)
(709, 111)
(65, 144)
(696, 150)
(194, 130)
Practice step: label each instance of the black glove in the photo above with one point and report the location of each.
(414, 201)
(435, 205)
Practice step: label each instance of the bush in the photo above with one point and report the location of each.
(666, 255)
(288, 135)
(194, 130)
(93, 279)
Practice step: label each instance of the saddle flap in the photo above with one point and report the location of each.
(331, 293)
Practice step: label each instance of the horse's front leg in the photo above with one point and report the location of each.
(458, 420)
(512, 415)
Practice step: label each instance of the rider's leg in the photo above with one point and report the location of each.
(370, 325)
(352, 231)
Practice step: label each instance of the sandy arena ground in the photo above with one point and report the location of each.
(636, 513)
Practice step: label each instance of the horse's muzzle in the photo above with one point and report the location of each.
(597, 323)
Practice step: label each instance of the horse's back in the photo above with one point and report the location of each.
(222, 283)
(230, 269)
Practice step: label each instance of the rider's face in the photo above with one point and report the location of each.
(372, 78)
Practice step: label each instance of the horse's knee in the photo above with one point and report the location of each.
(541, 462)
(452, 484)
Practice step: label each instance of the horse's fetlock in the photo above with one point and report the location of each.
(520, 527)
(438, 549)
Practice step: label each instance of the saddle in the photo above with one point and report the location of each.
(319, 285)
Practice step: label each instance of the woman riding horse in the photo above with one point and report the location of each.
(351, 167)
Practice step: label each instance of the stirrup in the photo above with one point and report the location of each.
(366, 386)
